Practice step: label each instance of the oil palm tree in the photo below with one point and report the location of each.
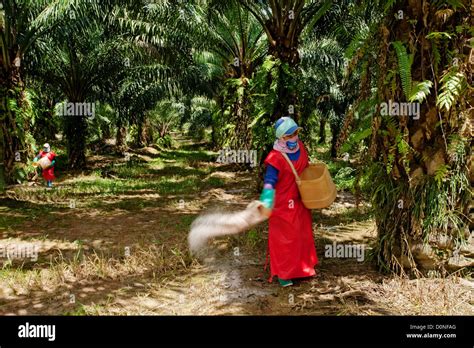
(79, 67)
(285, 23)
(322, 66)
(233, 46)
(22, 23)
(420, 161)
(166, 67)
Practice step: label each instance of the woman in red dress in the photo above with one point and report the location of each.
(48, 173)
(290, 241)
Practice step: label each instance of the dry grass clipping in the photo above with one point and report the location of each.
(425, 296)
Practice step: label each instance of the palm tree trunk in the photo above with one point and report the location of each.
(287, 94)
(322, 131)
(75, 131)
(242, 135)
(5, 166)
(121, 134)
(3, 111)
(421, 203)
(284, 46)
(336, 125)
(142, 137)
(335, 128)
(11, 137)
(121, 137)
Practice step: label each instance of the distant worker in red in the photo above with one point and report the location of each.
(290, 240)
(50, 160)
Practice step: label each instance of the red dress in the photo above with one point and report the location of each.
(290, 237)
(48, 173)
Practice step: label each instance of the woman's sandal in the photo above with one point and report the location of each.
(284, 283)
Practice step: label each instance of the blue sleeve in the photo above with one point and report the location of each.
(271, 175)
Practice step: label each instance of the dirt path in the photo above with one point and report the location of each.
(121, 249)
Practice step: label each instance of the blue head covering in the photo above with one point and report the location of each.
(285, 126)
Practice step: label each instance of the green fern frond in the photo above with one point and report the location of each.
(456, 4)
(389, 4)
(420, 91)
(390, 123)
(436, 55)
(357, 42)
(404, 67)
(439, 35)
(441, 173)
(453, 85)
(358, 136)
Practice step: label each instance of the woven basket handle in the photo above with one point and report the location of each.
(298, 180)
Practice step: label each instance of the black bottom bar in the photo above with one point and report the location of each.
(236, 331)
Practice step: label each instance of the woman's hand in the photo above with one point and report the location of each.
(265, 211)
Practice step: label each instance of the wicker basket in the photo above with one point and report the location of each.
(316, 187)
